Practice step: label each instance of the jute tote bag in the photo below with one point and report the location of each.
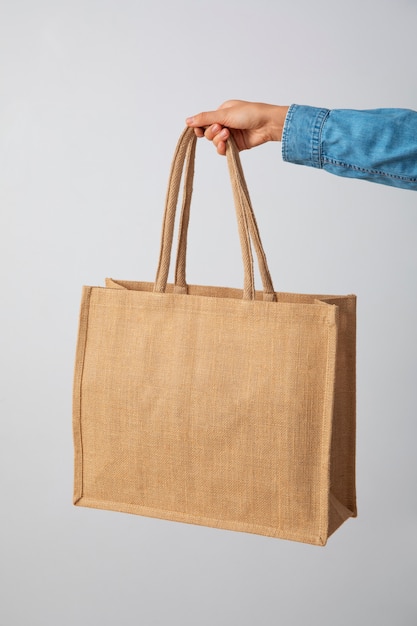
(222, 407)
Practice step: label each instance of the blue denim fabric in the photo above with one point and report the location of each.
(378, 145)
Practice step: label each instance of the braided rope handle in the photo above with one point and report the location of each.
(183, 161)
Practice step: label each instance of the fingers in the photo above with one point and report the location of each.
(220, 139)
(221, 148)
(214, 132)
(218, 135)
(210, 126)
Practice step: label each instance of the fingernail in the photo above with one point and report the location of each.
(224, 134)
(189, 121)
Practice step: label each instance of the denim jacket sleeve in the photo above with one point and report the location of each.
(378, 145)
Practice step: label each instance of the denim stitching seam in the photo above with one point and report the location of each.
(316, 149)
(364, 170)
(287, 123)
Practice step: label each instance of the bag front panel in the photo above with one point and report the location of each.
(205, 409)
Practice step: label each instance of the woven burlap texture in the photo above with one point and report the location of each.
(216, 406)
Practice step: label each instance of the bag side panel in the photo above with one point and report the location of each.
(77, 388)
(343, 446)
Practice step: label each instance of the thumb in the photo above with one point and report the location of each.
(206, 119)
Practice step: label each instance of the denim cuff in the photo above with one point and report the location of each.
(301, 137)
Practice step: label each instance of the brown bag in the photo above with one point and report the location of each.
(223, 407)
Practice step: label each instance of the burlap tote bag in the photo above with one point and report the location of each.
(222, 407)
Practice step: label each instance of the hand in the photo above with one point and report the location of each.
(250, 123)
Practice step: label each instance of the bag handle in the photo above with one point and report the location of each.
(180, 284)
(248, 229)
(239, 186)
(186, 148)
(236, 174)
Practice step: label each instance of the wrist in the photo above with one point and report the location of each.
(277, 115)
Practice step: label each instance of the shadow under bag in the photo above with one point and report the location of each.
(222, 407)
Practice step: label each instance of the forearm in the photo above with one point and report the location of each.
(378, 145)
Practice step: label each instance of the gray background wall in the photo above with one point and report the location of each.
(93, 95)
